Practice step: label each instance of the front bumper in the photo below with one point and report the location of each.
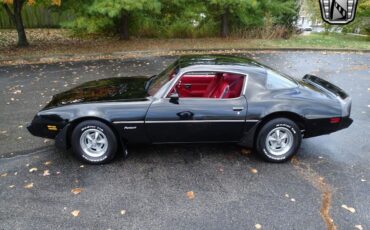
(40, 127)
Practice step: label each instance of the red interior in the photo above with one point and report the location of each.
(220, 85)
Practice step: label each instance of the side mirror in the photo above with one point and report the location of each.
(174, 98)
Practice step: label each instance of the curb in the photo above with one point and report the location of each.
(141, 53)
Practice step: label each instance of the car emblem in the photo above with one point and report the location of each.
(338, 11)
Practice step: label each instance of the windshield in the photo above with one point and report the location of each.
(158, 81)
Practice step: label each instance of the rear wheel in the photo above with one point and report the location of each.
(278, 140)
(94, 142)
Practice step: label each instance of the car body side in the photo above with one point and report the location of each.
(310, 108)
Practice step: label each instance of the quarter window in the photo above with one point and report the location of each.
(278, 81)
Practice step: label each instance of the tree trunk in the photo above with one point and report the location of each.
(123, 26)
(225, 23)
(16, 17)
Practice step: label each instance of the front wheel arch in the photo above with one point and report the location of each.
(77, 121)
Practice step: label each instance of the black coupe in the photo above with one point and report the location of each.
(209, 98)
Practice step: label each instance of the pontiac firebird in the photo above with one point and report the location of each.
(197, 99)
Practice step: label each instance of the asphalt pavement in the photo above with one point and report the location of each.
(196, 186)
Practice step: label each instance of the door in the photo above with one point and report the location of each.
(196, 120)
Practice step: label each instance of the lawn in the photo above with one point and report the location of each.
(50, 43)
(318, 40)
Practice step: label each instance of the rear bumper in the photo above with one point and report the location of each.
(317, 127)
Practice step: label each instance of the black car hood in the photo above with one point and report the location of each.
(111, 89)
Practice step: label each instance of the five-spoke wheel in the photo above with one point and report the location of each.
(278, 140)
(94, 142)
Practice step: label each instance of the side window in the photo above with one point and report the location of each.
(277, 81)
(209, 85)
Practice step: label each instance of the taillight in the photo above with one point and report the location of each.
(334, 120)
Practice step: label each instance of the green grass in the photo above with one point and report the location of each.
(56, 42)
(320, 40)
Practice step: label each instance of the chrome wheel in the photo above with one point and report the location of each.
(279, 141)
(94, 142)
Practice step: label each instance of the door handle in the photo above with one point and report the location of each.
(186, 115)
(238, 108)
(187, 86)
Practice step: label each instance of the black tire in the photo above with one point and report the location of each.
(109, 151)
(266, 150)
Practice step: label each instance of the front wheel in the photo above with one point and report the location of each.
(94, 142)
(278, 140)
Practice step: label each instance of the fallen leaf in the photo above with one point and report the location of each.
(76, 191)
(75, 213)
(46, 173)
(47, 162)
(258, 226)
(254, 171)
(359, 227)
(123, 212)
(350, 209)
(28, 186)
(245, 152)
(4, 174)
(190, 195)
(33, 169)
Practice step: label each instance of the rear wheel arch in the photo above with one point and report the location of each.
(298, 119)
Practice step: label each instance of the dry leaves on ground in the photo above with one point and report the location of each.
(47, 162)
(254, 171)
(46, 173)
(350, 209)
(28, 186)
(4, 174)
(76, 191)
(75, 213)
(33, 170)
(245, 152)
(190, 195)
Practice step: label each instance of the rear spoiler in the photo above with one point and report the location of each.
(325, 85)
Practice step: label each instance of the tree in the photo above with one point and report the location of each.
(99, 15)
(225, 10)
(14, 10)
(249, 14)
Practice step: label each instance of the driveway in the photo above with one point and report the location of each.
(200, 186)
